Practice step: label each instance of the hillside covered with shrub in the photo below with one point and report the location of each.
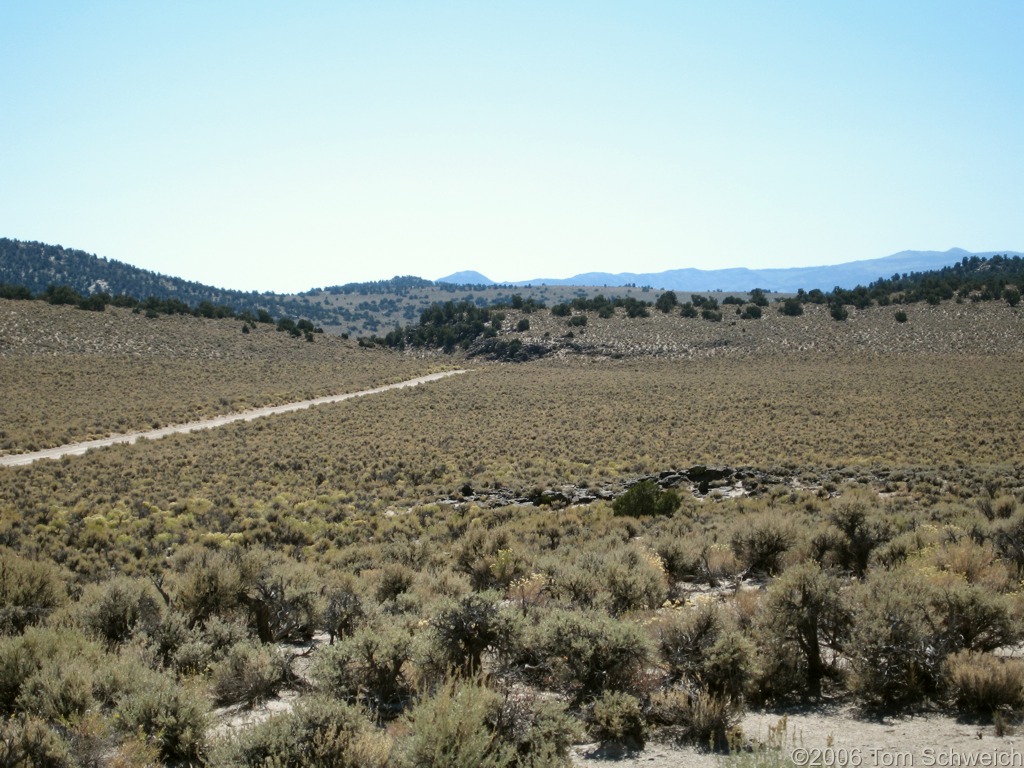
(636, 538)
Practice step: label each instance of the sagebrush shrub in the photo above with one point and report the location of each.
(616, 718)
(58, 692)
(541, 731)
(684, 555)
(207, 584)
(172, 714)
(761, 541)
(980, 683)
(684, 638)
(636, 582)
(343, 614)
(28, 741)
(489, 558)
(29, 591)
(249, 674)
(395, 579)
(369, 668)
(860, 532)
(803, 617)
(452, 729)
(118, 609)
(696, 717)
(467, 629)
(42, 651)
(703, 650)
(587, 652)
(318, 733)
(905, 623)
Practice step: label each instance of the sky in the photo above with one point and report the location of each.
(287, 146)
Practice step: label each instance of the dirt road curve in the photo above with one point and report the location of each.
(76, 449)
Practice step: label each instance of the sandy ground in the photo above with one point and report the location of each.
(77, 449)
(839, 737)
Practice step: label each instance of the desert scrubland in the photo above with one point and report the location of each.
(666, 532)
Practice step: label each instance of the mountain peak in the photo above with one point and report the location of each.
(467, 277)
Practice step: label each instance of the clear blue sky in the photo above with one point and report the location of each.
(285, 146)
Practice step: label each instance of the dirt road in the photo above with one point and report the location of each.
(77, 449)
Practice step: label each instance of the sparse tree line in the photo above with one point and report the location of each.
(36, 266)
(450, 326)
(974, 279)
(154, 307)
(455, 325)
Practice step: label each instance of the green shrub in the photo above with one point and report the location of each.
(1008, 536)
(636, 582)
(892, 654)
(973, 617)
(207, 645)
(343, 613)
(173, 715)
(282, 609)
(906, 622)
(27, 742)
(540, 731)
(489, 558)
(29, 591)
(684, 639)
(168, 635)
(368, 668)
(646, 498)
(697, 717)
(575, 585)
(587, 652)
(666, 302)
(791, 308)
(207, 584)
(465, 630)
(729, 666)
(44, 652)
(395, 579)
(249, 674)
(761, 541)
(980, 683)
(452, 729)
(702, 650)
(839, 312)
(118, 609)
(616, 718)
(318, 733)
(901, 316)
(803, 619)
(859, 533)
(59, 692)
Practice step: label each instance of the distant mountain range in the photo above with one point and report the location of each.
(847, 275)
(377, 307)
